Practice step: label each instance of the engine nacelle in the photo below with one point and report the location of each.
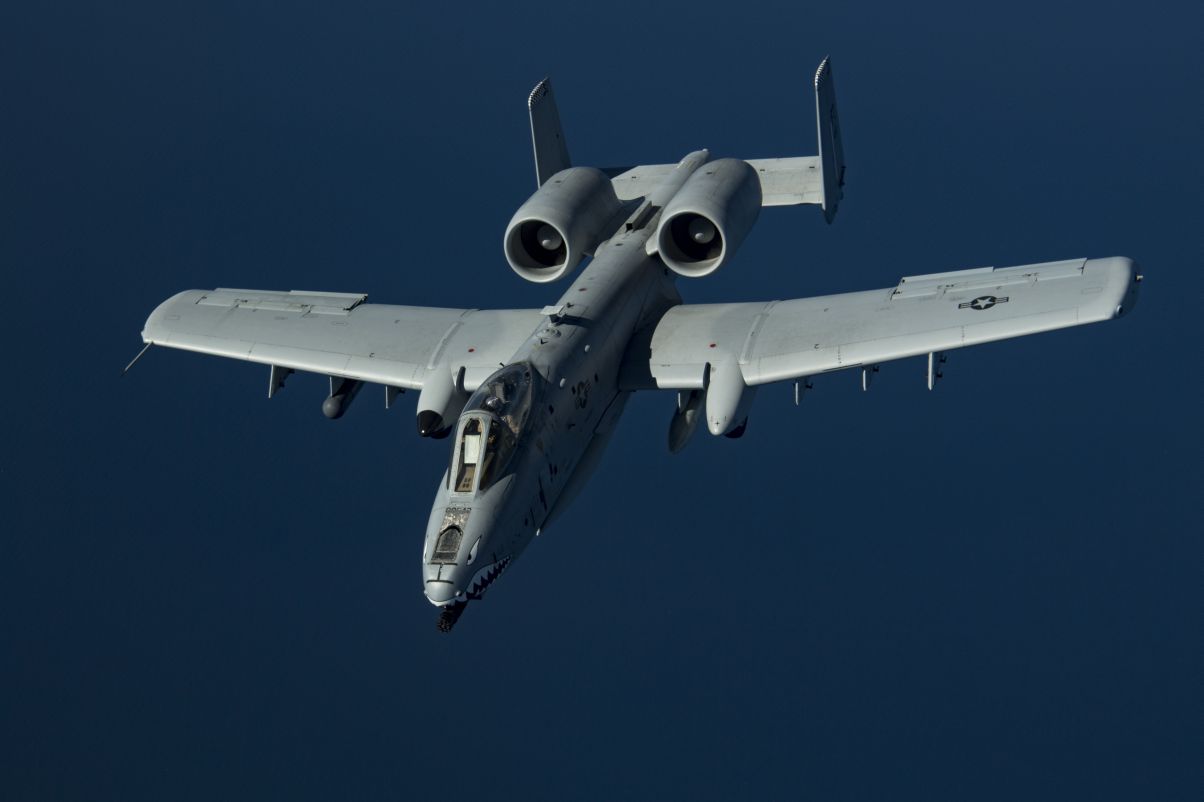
(709, 217)
(566, 218)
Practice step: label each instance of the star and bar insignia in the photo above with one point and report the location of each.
(982, 302)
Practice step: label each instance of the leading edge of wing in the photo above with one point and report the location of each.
(782, 340)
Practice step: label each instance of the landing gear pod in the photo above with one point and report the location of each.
(440, 402)
(728, 400)
(709, 217)
(552, 232)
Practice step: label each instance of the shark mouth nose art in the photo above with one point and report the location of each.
(485, 577)
(450, 613)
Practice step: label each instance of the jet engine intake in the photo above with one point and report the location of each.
(709, 217)
(564, 220)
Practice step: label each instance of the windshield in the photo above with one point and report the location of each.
(490, 426)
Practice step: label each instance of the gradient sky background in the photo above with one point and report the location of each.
(991, 591)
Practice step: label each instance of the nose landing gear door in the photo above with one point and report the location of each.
(467, 458)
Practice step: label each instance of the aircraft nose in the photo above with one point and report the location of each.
(440, 592)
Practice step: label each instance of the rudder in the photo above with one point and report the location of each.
(547, 137)
(831, 152)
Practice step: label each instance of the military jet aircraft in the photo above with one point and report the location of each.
(532, 396)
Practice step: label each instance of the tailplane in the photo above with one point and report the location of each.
(789, 181)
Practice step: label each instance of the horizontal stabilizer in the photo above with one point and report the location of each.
(784, 182)
(789, 182)
(817, 180)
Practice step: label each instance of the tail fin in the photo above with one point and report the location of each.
(831, 152)
(551, 152)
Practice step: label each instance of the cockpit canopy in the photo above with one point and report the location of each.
(490, 428)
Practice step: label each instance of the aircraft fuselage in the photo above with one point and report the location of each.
(573, 361)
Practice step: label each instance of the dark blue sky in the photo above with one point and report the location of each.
(991, 591)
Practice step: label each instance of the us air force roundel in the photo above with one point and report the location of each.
(982, 302)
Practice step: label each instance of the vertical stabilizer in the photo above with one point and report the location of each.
(551, 152)
(831, 152)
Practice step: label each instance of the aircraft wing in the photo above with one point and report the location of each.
(921, 315)
(339, 335)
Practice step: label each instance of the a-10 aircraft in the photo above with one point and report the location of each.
(532, 396)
